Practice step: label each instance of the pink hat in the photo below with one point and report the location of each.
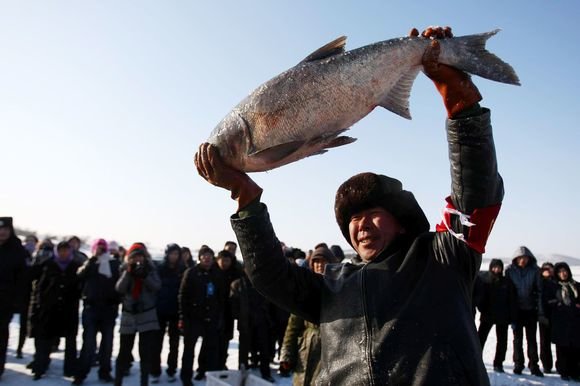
(99, 243)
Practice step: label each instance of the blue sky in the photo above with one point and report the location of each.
(104, 103)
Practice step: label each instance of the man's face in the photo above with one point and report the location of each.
(173, 257)
(4, 234)
(548, 272)
(63, 253)
(224, 263)
(318, 266)
(206, 260)
(372, 230)
(522, 261)
(563, 274)
(74, 244)
(496, 270)
(231, 248)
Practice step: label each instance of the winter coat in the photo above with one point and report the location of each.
(12, 275)
(404, 318)
(99, 290)
(565, 321)
(249, 307)
(302, 350)
(498, 300)
(170, 277)
(139, 313)
(527, 281)
(54, 303)
(202, 295)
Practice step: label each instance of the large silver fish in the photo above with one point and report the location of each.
(303, 111)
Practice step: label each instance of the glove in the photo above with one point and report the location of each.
(455, 86)
(212, 168)
(284, 369)
(139, 270)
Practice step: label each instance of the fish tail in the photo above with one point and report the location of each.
(468, 53)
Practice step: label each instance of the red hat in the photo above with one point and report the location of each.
(137, 249)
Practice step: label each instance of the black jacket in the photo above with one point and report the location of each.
(167, 303)
(99, 290)
(202, 295)
(249, 307)
(497, 301)
(54, 304)
(565, 318)
(404, 318)
(13, 278)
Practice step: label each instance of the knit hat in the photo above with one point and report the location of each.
(172, 248)
(6, 222)
(495, 263)
(368, 190)
(99, 243)
(137, 249)
(322, 253)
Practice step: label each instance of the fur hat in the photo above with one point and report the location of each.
(368, 190)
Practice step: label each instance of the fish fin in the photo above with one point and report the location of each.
(335, 47)
(397, 99)
(279, 152)
(340, 141)
(470, 55)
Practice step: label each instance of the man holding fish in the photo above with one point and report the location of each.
(402, 316)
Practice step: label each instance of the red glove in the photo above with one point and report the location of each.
(455, 86)
(211, 167)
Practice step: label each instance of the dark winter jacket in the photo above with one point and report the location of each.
(202, 295)
(54, 303)
(527, 281)
(99, 290)
(564, 301)
(139, 297)
(249, 307)
(497, 302)
(302, 350)
(12, 275)
(167, 303)
(405, 318)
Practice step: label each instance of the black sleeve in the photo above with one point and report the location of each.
(292, 288)
(186, 295)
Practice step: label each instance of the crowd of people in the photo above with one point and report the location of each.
(525, 297)
(52, 286)
(189, 300)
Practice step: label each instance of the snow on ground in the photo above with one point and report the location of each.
(17, 374)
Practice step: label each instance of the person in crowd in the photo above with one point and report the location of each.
(252, 311)
(564, 301)
(170, 272)
(497, 304)
(301, 351)
(138, 285)
(75, 244)
(186, 257)
(403, 316)
(30, 245)
(201, 304)
(226, 262)
(13, 258)
(44, 252)
(548, 282)
(122, 253)
(114, 250)
(54, 309)
(98, 277)
(231, 247)
(525, 275)
(338, 253)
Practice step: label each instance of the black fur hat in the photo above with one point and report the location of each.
(368, 190)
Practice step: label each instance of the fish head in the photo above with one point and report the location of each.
(232, 137)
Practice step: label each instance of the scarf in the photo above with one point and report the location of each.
(569, 292)
(104, 266)
(137, 288)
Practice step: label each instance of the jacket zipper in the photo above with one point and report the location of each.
(367, 328)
